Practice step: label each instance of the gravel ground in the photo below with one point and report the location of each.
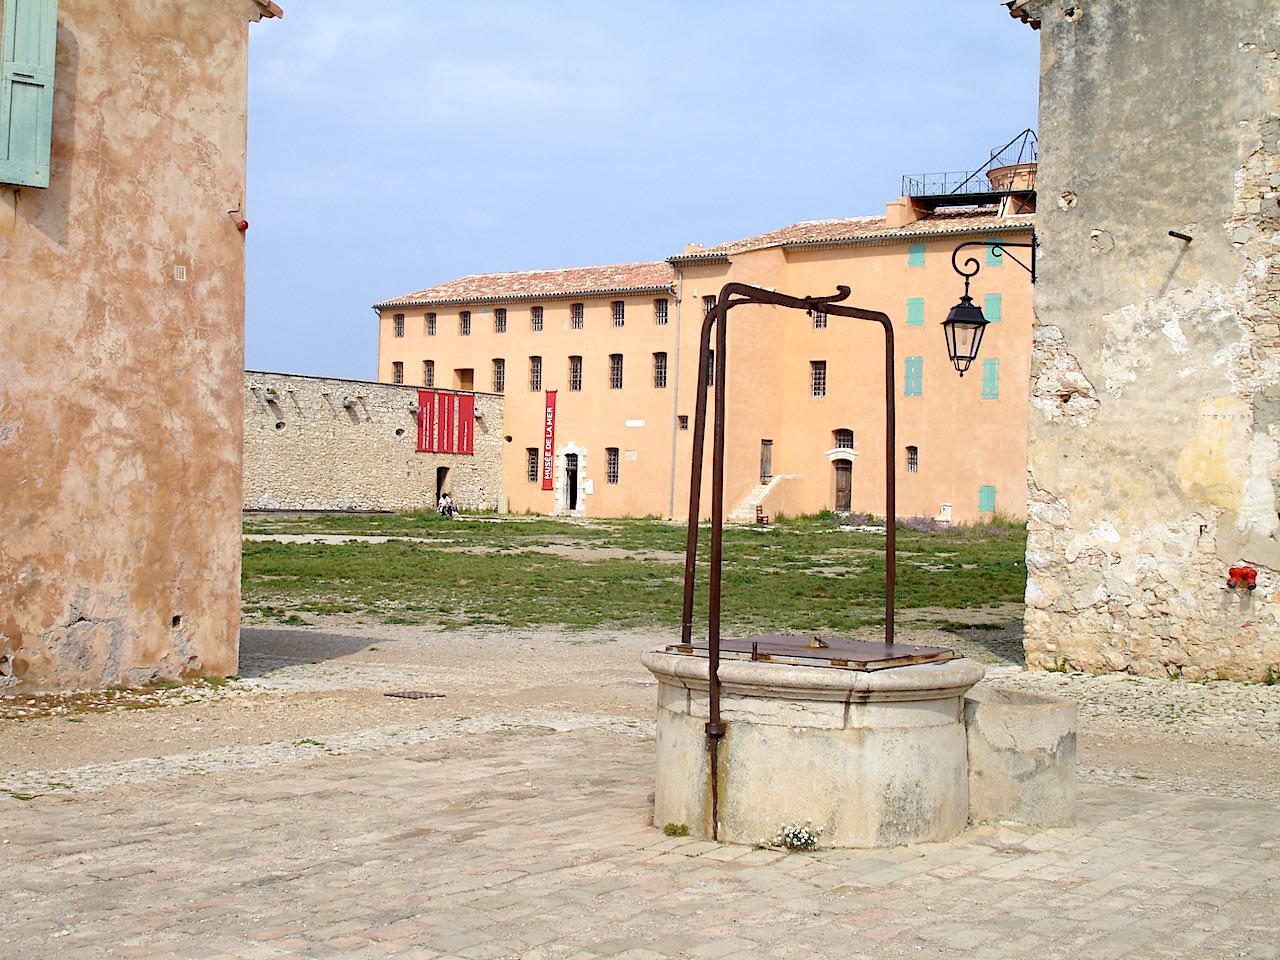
(322, 690)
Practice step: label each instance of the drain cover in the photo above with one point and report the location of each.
(413, 694)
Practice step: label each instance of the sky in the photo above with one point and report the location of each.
(400, 144)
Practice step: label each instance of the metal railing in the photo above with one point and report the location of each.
(1021, 149)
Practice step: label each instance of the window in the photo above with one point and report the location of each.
(991, 379)
(428, 373)
(683, 422)
(431, 324)
(819, 320)
(818, 377)
(619, 313)
(464, 323)
(913, 377)
(575, 315)
(27, 91)
(987, 499)
(660, 370)
(500, 320)
(915, 311)
(615, 371)
(844, 439)
(575, 373)
(535, 319)
(991, 307)
(535, 373)
(397, 372)
(708, 304)
(913, 459)
(660, 312)
(995, 253)
(711, 368)
(531, 463)
(499, 375)
(398, 321)
(611, 464)
(915, 255)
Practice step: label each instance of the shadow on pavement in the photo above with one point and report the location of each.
(266, 649)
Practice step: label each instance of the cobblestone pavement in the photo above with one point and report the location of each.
(521, 829)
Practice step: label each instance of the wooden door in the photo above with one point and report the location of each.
(844, 485)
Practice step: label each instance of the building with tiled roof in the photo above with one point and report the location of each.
(597, 367)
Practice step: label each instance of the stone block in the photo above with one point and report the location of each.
(1022, 757)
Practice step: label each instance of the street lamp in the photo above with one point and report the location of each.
(965, 323)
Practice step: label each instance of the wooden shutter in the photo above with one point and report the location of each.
(915, 311)
(994, 257)
(991, 379)
(987, 499)
(915, 255)
(991, 307)
(28, 45)
(913, 377)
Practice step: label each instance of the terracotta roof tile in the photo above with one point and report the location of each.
(940, 223)
(614, 278)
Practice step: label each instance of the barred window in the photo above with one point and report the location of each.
(708, 304)
(464, 323)
(575, 315)
(683, 422)
(660, 370)
(711, 368)
(818, 377)
(611, 464)
(397, 372)
(500, 320)
(660, 307)
(615, 371)
(535, 319)
(913, 459)
(819, 320)
(535, 373)
(619, 313)
(844, 439)
(575, 373)
(398, 320)
(499, 375)
(431, 324)
(531, 455)
(428, 373)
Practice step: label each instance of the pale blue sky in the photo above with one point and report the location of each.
(398, 144)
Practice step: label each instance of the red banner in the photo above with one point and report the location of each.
(466, 423)
(426, 421)
(549, 443)
(444, 423)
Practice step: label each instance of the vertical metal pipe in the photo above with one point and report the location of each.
(695, 477)
(715, 728)
(891, 485)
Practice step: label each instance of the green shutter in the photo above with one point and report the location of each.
(913, 377)
(986, 499)
(991, 379)
(28, 43)
(915, 311)
(991, 307)
(995, 257)
(915, 255)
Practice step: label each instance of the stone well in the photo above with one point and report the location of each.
(874, 758)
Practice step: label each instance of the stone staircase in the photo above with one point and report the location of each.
(745, 511)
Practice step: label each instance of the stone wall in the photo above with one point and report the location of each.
(121, 351)
(305, 450)
(1154, 449)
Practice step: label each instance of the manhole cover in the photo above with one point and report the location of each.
(413, 694)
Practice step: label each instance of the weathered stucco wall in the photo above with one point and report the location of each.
(1154, 440)
(305, 450)
(120, 415)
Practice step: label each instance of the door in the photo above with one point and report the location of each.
(571, 480)
(844, 485)
(766, 461)
(442, 477)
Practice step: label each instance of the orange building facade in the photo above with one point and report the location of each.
(618, 345)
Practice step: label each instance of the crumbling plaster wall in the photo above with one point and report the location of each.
(1154, 452)
(305, 450)
(120, 420)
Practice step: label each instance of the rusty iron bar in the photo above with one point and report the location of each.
(732, 295)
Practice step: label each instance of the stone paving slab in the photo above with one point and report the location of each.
(537, 845)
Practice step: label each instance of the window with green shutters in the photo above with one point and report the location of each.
(995, 257)
(991, 379)
(28, 43)
(991, 307)
(913, 377)
(915, 311)
(915, 255)
(986, 499)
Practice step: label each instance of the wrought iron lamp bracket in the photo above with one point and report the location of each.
(998, 249)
